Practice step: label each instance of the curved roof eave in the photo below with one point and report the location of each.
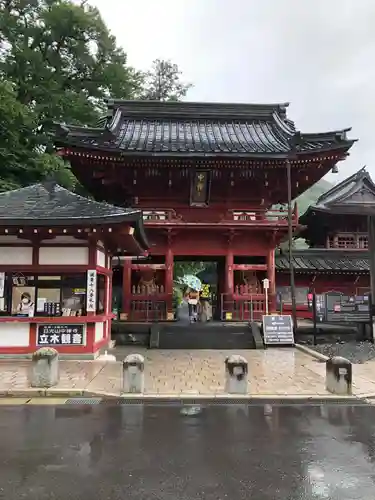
(197, 154)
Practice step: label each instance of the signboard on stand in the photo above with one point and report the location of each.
(278, 330)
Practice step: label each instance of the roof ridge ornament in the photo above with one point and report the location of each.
(50, 184)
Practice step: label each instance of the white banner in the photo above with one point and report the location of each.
(91, 291)
(2, 284)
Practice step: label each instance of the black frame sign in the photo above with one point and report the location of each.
(59, 334)
(278, 330)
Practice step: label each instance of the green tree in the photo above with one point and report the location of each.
(163, 82)
(61, 63)
(22, 160)
(62, 59)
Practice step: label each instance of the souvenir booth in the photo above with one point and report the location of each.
(55, 269)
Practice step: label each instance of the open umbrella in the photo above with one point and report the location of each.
(192, 282)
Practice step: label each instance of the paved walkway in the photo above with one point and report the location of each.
(271, 372)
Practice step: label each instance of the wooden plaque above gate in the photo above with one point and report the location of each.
(200, 188)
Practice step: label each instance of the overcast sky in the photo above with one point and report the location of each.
(319, 55)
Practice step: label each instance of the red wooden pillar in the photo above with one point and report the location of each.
(229, 280)
(169, 279)
(126, 286)
(272, 279)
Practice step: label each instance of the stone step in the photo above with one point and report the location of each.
(206, 336)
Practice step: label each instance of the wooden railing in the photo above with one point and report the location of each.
(237, 308)
(247, 290)
(148, 290)
(256, 216)
(156, 215)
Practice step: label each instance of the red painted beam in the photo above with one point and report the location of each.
(250, 267)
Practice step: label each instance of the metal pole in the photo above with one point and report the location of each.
(371, 245)
(314, 316)
(266, 296)
(290, 238)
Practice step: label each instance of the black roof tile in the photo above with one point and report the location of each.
(49, 203)
(321, 260)
(185, 128)
(355, 195)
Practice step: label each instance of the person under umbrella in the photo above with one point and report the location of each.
(194, 285)
(192, 298)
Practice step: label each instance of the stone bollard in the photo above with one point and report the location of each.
(133, 374)
(45, 368)
(236, 370)
(339, 375)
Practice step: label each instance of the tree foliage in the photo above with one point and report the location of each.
(163, 82)
(21, 160)
(59, 63)
(62, 59)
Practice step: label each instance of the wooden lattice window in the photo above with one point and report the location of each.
(244, 216)
(154, 215)
(331, 242)
(346, 241)
(363, 242)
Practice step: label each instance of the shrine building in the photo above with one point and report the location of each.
(207, 177)
(55, 269)
(337, 260)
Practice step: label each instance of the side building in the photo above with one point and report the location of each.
(56, 249)
(335, 228)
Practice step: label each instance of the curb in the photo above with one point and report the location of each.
(76, 394)
(312, 353)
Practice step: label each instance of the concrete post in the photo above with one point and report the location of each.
(339, 375)
(236, 370)
(133, 374)
(45, 368)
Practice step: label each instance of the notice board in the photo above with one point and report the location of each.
(278, 330)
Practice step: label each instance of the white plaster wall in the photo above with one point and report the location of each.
(14, 334)
(16, 255)
(100, 258)
(99, 332)
(64, 256)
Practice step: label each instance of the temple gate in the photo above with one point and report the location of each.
(211, 180)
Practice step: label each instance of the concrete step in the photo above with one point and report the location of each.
(206, 336)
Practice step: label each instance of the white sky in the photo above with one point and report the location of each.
(319, 55)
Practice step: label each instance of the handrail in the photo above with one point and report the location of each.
(251, 216)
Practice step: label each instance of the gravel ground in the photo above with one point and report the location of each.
(356, 352)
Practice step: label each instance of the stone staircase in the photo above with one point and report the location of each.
(213, 335)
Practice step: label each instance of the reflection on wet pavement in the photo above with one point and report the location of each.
(205, 452)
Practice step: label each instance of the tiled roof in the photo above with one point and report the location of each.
(185, 128)
(325, 261)
(355, 194)
(48, 202)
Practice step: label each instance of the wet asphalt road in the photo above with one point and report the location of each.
(160, 452)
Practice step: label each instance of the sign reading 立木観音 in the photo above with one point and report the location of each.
(91, 291)
(61, 335)
(278, 330)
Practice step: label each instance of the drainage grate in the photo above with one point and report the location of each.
(83, 401)
(251, 402)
